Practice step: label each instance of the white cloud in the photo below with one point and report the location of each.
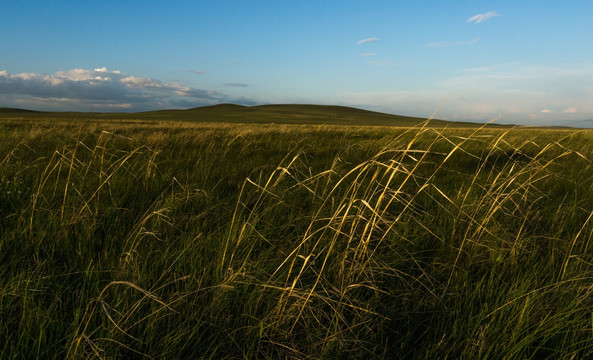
(29, 76)
(446, 44)
(478, 18)
(141, 82)
(545, 111)
(367, 40)
(368, 54)
(570, 110)
(101, 89)
(78, 74)
(178, 86)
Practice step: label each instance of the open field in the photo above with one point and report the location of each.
(147, 238)
(263, 114)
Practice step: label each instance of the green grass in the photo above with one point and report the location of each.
(263, 114)
(186, 239)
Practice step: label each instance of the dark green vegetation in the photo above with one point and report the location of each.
(263, 114)
(133, 239)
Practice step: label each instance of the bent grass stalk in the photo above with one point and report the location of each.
(503, 189)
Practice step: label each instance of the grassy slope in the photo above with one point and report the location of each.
(286, 114)
(279, 114)
(14, 111)
(186, 240)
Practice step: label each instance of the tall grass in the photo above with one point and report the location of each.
(174, 240)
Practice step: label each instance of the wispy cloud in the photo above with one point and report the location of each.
(367, 40)
(457, 43)
(197, 72)
(478, 18)
(383, 63)
(368, 54)
(101, 89)
(523, 94)
(235, 85)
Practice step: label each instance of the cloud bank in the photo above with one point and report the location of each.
(478, 18)
(514, 92)
(101, 90)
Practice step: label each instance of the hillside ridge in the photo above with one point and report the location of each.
(305, 114)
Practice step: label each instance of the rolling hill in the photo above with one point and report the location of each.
(265, 114)
(5, 110)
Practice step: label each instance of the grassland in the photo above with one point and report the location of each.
(263, 114)
(164, 238)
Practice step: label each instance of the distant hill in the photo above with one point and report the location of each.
(4, 110)
(293, 114)
(264, 114)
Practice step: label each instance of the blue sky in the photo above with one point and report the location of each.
(527, 62)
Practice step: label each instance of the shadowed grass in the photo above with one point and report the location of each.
(182, 240)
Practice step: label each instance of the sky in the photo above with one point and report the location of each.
(523, 62)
